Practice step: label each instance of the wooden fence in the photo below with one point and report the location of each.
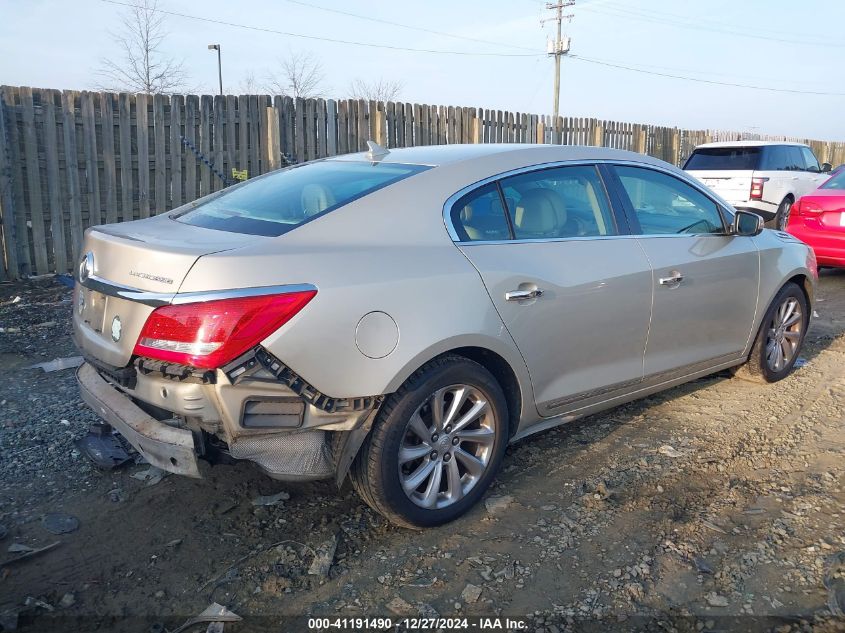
(70, 160)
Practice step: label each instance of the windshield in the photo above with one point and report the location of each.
(724, 158)
(281, 201)
(836, 182)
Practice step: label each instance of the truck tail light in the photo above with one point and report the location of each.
(209, 334)
(757, 188)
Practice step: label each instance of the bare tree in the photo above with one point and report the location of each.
(142, 66)
(378, 90)
(300, 75)
(249, 85)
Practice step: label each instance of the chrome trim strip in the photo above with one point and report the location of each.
(214, 295)
(157, 299)
(680, 174)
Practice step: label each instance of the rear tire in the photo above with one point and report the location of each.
(780, 338)
(782, 216)
(420, 469)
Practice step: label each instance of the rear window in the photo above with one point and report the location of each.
(724, 158)
(836, 182)
(281, 201)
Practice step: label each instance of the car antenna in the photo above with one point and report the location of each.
(376, 151)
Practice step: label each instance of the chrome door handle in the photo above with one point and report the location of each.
(675, 279)
(522, 295)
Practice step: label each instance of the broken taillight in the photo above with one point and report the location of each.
(209, 334)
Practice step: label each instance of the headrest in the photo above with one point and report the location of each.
(316, 199)
(540, 211)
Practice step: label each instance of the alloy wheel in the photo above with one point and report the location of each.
(784, 334)
(447, 446)
(783, 215)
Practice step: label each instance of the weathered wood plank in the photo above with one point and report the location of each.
(74, 200)
(176, 150)
(218, 138)
(22, 230)
(231, 135)
(254, 133)
(243, 133)
(160, 153)
(342, 127)
(206, 114)
(299, 118)
(92, 171)
(109, 193)
(261, 122)
(322, 144)
(51, 154)
(33, 182)
(409, 125)
(310, 129)
(271, 144)
(127, 210)
(331, 127)
(7, 200)
(191, 162)
(363, 125)
(142, 136)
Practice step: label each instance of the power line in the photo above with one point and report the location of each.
(621, 12)
(704, 81)
(323, 39)
(406, 26)
(678, 16)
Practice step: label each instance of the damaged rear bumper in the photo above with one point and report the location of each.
(163, 446)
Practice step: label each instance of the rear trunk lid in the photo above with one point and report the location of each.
(145, 256)
(824, 209)
(732, 185)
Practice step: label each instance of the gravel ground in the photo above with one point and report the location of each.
(715, 506)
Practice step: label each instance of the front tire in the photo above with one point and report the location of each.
(436, 444)
(780, 338)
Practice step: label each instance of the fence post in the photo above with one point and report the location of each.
(272, 146)
(676, 146)
(7, 203)
(598, 136)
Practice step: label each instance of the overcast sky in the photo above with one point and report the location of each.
(768, 43)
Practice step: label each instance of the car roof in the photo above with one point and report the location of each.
(438, 155)
(747, 144)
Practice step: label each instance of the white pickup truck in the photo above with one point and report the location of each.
(765, 177)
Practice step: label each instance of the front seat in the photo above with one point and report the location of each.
(316, 199)
(539, 213)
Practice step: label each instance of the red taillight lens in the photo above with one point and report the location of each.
(209, 334)
(807, 208)
(757, 188)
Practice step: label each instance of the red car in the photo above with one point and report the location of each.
(819, 220)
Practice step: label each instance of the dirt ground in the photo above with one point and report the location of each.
(715, 506)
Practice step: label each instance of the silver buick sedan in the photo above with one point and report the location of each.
(399, 317)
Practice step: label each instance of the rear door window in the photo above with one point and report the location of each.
(723, 159)
(560, 202)
(279, 202)
(775, 158)
(796, 158)
(664, 204)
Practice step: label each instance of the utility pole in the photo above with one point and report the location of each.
(560, 46)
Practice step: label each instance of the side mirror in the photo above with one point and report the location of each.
(826, 167)
(747, 224)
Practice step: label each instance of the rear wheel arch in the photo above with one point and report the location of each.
(504, 375)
